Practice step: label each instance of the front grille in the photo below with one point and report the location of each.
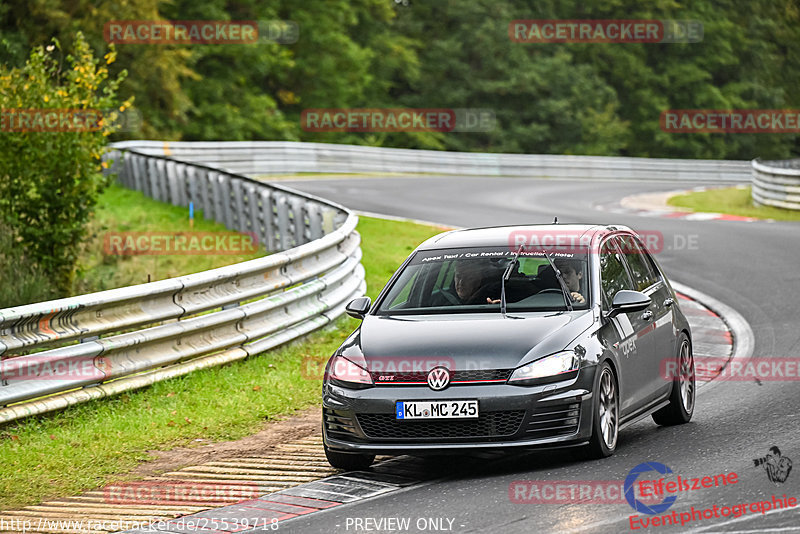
(338, 424)
(419, 377)
(488, 425)
(558, 420)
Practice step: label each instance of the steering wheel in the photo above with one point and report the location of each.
(550, 290)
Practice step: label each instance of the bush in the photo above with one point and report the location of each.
(50, 180)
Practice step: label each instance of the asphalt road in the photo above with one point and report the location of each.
(752, 267)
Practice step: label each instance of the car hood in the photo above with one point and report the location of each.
(468, 341)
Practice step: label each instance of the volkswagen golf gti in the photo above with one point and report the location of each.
(534, 336)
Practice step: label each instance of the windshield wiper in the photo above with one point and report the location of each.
(561, 282)
(506, 276)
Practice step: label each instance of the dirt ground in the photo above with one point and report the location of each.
(302, 424)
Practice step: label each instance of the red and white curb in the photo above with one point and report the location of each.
(654, 205)
(711, 337)
(718, 331)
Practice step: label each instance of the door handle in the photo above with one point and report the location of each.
(647, 315)
(669, 302)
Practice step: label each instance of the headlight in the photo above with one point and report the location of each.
(559, 366)
(345, 373)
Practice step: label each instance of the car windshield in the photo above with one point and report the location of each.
(470, 280)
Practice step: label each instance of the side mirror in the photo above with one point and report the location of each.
(359, 307)
(626, 301)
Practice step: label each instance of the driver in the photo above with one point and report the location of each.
(573, 274)
(470, 283)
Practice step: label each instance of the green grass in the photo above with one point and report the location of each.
(125, 210)
(733, 201)
(91, 444)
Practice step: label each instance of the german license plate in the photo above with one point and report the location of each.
(453, 409)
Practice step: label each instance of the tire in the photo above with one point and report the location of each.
(605, 414)
(348, 461)
(681, 398)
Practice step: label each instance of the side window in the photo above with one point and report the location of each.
(402, 297)
(640, 265)
(613, 275)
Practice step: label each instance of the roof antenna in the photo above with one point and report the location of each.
(555, 220)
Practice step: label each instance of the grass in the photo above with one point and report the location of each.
(124, 210)
(31, 283)
(118, 210)
(92, 444)
(733, 201)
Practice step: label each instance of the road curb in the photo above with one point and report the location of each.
(743, 337)
(655, 205)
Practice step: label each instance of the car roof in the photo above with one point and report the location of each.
(493, 236)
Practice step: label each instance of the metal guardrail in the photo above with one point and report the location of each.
(129, 337)
(284, 157)
(776, 183)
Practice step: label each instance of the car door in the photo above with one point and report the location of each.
(631, 329)
(657, 317)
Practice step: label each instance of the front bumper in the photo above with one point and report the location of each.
(544, 416)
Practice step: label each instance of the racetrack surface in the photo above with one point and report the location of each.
(750, 266)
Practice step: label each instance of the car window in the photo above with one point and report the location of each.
(405, 292)
(639, 263)
(613, 275)
(469, 280)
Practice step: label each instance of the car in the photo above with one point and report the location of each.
(535, 336)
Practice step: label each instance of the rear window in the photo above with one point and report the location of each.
(469, 280)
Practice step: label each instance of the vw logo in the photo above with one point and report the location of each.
(438, 378)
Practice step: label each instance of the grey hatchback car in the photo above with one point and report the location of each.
(516, 336)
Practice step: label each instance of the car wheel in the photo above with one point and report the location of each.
(348, 461)
(605, 424)
(681, 399)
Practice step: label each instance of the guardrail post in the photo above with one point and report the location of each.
(237, 209)
(281, 206)
(206, 193)
(264, 218)
(191, 186)
(299, 226)
(314, 214)
(171, 183)
(140, 174)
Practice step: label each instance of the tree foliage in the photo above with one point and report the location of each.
(548, 98)
(50, 180)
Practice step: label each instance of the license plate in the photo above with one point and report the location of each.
(455, 409)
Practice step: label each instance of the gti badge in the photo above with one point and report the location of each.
(438, 378)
